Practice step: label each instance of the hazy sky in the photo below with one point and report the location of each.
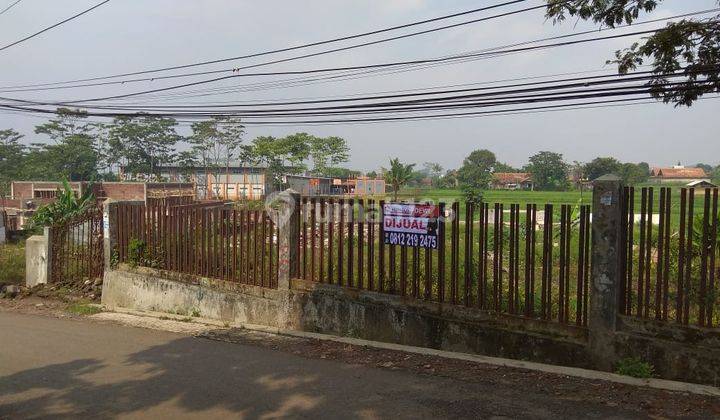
(130, 35)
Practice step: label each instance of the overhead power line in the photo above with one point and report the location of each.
(292, 48)
(461, 57)
(368, 66)
(9, 7)
(53, 26)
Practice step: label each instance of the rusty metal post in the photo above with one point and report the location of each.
(607, 272)
(289, 227)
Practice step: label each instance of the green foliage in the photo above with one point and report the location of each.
(472, 194)
(12, 154)
(143, 143)
(137, 252)
(12, 263)
(549, 171)
(689, 44)
(398, 174)
(65, 207)
(634, 367)
(216, 141)
(83, 309)
(602, 166)
(476, 170)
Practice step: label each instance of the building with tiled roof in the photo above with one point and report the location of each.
(512, 181)
(678, 174)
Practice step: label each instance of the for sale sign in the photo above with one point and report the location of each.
(414, 225)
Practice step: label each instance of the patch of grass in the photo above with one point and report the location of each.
(83, 309)
(188, 319)
(12, 263)
(634, 367)
(195, 313)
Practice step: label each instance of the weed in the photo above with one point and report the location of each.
(83, 309)
(195, 313)
(631, 366)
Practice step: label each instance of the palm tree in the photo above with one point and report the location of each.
(398, 174)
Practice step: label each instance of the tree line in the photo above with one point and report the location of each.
(83, 150)
(547, 170)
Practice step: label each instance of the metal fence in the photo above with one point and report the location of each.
(204, 239)
(520, 261)
(77, 248)
(671, 255)
(175, 200)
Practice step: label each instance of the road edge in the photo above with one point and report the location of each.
(662, 384)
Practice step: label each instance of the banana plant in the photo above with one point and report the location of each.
(65, 207)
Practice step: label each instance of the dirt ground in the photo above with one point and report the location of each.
(646, 402)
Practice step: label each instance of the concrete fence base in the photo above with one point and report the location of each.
(691, 355)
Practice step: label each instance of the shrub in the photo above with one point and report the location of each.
(634, 367)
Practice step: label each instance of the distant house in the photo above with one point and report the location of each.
(678, 175)
(512, 181)
(701, 184)
(233, 182)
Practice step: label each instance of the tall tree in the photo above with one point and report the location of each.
(217, 141)
(477, 168)
(397, 175)
(327, 152)
(12, 154)
(144, 143)
(548, 170)
(602, 166)
(634, 173)
(689, 45)
(73, 152)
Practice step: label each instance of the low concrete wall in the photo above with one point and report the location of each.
(37, 262)
(676, 352)
(334, 310)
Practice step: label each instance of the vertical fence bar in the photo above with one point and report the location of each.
(511, 262)
(371, 245)
(381, 250)
(323, 222)
(331, 231)
(688, 256)
(454, 241)
(630, 251)
(713, 251)
(351, 241)
(361, 243)
(313, 244)
(441, 254)
(680, 297)
(304, 217)
(704, 244)
(529, 259)
(659, 272)
(641, 258)
(468, 253)
(648, 251)
(666, 253)
(497, 256)
(341, 243)
(482, 255)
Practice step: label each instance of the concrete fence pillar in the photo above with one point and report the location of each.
(289, 240)
(606, 273)
(110, 231)
(38, 258)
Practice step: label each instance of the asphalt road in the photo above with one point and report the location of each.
(68, 368)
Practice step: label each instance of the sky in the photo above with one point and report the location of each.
(130, 35)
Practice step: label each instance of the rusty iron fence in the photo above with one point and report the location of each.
(203, 239)
(175, 200)
(522, 261)
(76, 248)
(671, 255)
